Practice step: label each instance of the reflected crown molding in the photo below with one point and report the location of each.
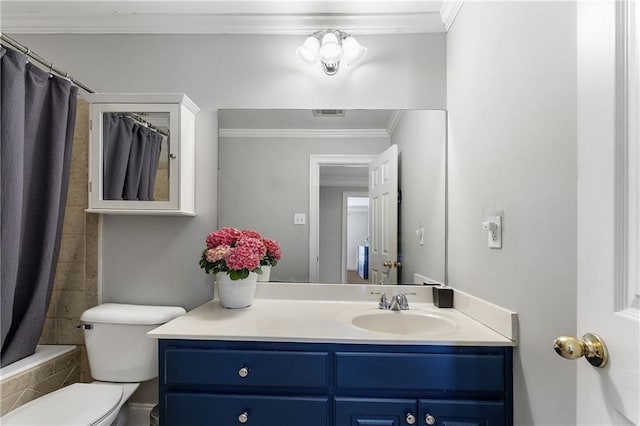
(449, 11)
(303, 133)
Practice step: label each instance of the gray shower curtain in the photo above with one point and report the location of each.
(37, 122)
(131, 156)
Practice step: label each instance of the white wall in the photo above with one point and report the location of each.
(511, 95)
(155, 259)
(421, 140)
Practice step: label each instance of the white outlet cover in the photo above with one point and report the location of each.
(495, 237)
(299, 218)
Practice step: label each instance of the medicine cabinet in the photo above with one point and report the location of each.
(141, 154)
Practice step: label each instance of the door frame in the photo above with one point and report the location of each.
(315, 162)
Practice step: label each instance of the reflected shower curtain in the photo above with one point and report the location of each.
(37, 123)
(131, 156)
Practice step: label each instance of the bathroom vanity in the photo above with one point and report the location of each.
(332, 363)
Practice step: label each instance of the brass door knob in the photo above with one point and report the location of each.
(391, 264)
(591, 347)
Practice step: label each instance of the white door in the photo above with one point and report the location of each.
(383, 217)
(608, 222)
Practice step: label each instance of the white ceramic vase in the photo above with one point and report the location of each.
(266, 273)
(238, 293)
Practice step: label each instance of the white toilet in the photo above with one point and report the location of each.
(120, 356)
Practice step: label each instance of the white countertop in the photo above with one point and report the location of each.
(320, 321)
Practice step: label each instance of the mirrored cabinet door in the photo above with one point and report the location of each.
(142, 154)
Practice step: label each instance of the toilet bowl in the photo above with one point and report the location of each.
(120, 356)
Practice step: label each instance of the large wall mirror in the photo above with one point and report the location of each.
(303, 177)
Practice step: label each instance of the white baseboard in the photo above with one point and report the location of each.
(139, 414)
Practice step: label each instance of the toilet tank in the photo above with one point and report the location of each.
(118, 347)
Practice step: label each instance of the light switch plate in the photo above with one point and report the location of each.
(299, 218)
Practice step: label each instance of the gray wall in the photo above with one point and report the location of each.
(357, 235)
(154, 259)
(511, 88)
(421, 139)
(330, 232)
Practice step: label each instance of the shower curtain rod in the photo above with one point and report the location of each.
(5, 39)
(52, 68)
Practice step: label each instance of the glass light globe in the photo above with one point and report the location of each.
(354, 52)
(330, 50)
(308, 52)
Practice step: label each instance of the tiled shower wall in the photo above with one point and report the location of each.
(75, 287)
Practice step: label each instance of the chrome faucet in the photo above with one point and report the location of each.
(398, 302)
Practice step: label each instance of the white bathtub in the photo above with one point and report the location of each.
(42, 354)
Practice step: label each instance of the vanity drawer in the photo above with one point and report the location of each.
(449, 372)
(226, 410)
(246, 368)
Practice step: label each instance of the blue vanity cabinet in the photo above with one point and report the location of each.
(226, 383)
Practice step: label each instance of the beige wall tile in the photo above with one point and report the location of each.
(68, 333)
(67, 360)
(73, 220)
(26, 379)
(72, 248)
(92, 221)
(77, 195)
(69, 276)
(72, 377)
(28, 395)
(91, 299)
(48, 336)
(53, 382)
(85, 371)
(79, 172)
(91, 258)
(71, 304)
(8, 401)
(51, 310)
(91, 286)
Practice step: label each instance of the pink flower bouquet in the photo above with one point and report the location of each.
(238, 252)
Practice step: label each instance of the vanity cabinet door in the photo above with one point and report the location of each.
(462, 413)
(195, 409)
(376, 412)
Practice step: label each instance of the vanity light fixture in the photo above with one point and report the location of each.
(331, 47)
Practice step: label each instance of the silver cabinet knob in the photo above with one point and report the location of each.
(430, 420)
(243, 418)
(410, 419)
(243, 372)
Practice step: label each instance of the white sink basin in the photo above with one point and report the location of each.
(401, 322)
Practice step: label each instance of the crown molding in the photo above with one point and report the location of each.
(303, 133)
(393, 121)
(218, 17)
(448, 11)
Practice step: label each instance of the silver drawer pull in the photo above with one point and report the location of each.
(410, 419)
(243, 418)
(430, 420)
(243, 372)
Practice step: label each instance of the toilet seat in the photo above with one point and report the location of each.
(78, 404)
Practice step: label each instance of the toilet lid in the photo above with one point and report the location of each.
(78, 404)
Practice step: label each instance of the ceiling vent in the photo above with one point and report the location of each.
(328, 113)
